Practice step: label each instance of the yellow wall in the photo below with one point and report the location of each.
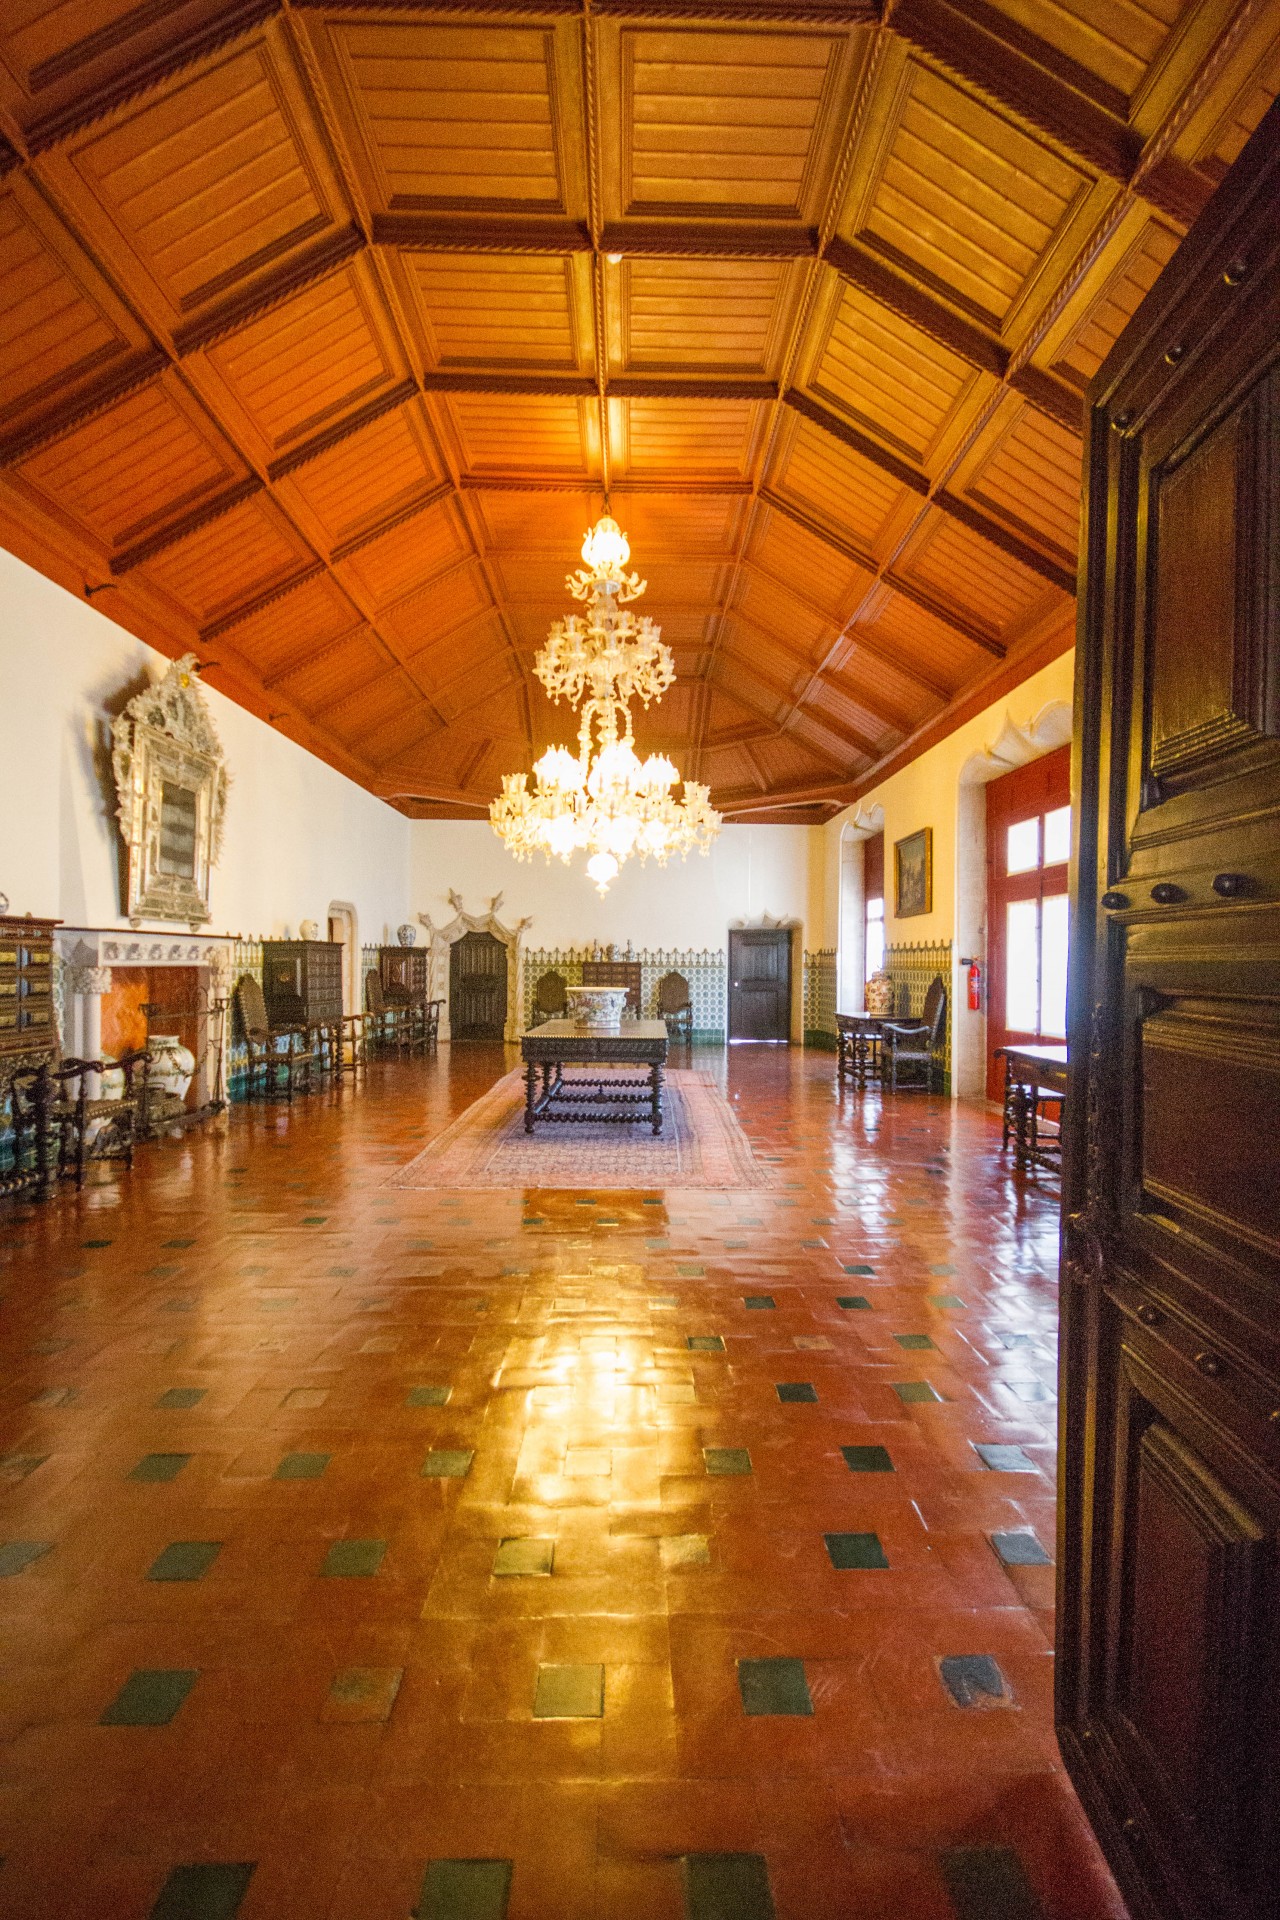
(944, 789)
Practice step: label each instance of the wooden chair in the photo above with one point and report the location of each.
(913, 1044)
(387, 1025)
(262, 1040)
(549, 1000)
(675, 1005)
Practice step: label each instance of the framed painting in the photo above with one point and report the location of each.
(913, 874)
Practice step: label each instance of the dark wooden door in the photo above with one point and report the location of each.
(1169, 1585)
(477, 987)
(760, 983)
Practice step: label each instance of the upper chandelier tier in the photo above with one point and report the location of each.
(605, 800)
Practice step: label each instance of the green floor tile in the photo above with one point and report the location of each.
(569, 1693)
(19, 1466)
(945, 1300)
(522, 1558)
(774, 1686)
(427, 1396)
(150, 1697)
(160, 1466)
(855, 1552)
(178, 1397)
(915, 1342)
(206, 1892)
(1004, 1459)
(302, 1466)
(17, 1555)
(988, 1883)
(853, 1302)
(726, 1886)
(797, 1392)
(705, 1343)
(971, 1678)
(185, 1560)
(1020, 1550)
(726, 1460)
(759, 1301)
(465, 1890)
(353, 1559)
(858, 1271)
(914, 1392)
(867, 1459)
(447, 1464)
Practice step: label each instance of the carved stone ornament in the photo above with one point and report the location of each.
(171, 788)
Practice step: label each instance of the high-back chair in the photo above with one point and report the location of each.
(262, 1039)
(913, 1044)
(386, 1025)
(549, 999)
(675, 1004)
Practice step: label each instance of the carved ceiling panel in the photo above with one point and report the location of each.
(325, 326)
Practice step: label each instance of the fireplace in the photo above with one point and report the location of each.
(116, 990)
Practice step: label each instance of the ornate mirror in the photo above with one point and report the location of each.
(171, 787)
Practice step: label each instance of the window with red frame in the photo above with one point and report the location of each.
(1028, 845)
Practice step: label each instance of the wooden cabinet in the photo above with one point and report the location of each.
(28, 1029)
(1169, 1616)
(302, 982)
(615, 973)
(406, 973)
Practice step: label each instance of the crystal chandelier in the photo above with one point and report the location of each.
(604, 800)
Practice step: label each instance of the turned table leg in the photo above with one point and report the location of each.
(530, 1093)
(655, 1096)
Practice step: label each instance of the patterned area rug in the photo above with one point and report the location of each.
(701, 1146)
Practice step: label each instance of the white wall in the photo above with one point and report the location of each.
(750, 871)
(945, 789)
(298, 834)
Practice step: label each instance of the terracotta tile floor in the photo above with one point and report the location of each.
(354, 1541)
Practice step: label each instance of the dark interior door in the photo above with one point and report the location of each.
(760, 983)
(477, 987)
(1169, 1616)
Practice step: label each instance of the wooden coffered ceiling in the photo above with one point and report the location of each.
(324, 327)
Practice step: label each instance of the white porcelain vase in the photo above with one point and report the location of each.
(172, 1064)
(599, 1008)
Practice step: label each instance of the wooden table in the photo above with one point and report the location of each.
(1030, 1074)
(547, 1050)
(858, 1043)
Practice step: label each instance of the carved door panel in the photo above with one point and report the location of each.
(760, 984)
(477, 987)
(1169, 1618)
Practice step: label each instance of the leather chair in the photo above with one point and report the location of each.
(675, 1005)
(913, 1044)
(263, 1041)
(549, 1000)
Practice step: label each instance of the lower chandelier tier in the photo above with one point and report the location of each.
(605, 800)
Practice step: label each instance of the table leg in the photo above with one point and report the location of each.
(655, 1095)
(1008, 1097)
(530, 1093)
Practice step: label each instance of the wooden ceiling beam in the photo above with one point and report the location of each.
(1043, 86)
(1060, 572)
(860, 266)
(819, 676)
(855, 637)
(859, 744)
(959, 624)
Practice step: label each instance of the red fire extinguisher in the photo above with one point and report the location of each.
(975, 987)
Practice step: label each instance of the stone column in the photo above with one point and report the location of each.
(86, 986)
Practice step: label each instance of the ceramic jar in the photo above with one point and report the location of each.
(172, 1064)
(880, 995)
